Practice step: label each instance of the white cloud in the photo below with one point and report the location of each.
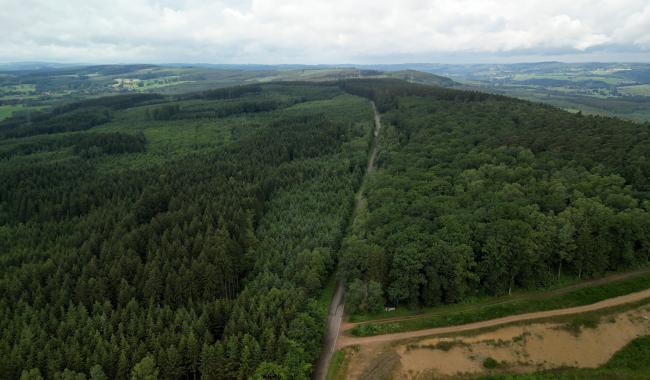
(315, 31)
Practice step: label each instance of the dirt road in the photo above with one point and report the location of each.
(504, 300)
(334, 318)
(335, 315)
(344, 341)
(375, 141)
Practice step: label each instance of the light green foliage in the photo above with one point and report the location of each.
(145, 369)
(97, 373)
(270, 371)
(7, 111)
(32, 374)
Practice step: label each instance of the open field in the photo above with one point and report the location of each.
(7, 111)
(638, 90)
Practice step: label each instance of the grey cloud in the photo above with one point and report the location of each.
(320, 31)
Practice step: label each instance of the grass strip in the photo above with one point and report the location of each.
(578, 297)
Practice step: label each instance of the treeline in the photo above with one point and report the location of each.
(481, 194)
(202, 265)
(223, 93)
(77, 116)
(115, 102)
(92, 144)
(242, 100)
(386, 92)
(83, 144)
(73, 121)
(214, 110)
(89, 79)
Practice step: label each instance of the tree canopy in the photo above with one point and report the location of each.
(478, 194)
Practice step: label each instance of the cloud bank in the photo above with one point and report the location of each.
(315, 31)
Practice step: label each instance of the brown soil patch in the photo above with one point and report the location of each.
(524, 348)
(344, 340)
(360, 357)
(381, 367)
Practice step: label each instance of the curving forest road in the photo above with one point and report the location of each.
(539, 296)
(616, 301)
(336, 307)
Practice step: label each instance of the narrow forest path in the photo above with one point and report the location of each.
(344, 341)
(336, 307)
(375, 142)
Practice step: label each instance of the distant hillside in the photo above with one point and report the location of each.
(616, 89)
(35, 86)
(13, 66)
(415, 76)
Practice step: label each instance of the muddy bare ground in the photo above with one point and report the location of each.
(520, 348)
(344, 340)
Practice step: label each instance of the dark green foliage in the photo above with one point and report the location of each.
(84, 144)
(124, 255)
(633, 356)
(225, 93)
(87, 145)
(76, 120)
(580, 322)
(215, 110)
(478, 193)
(579, 297)
(117, 102)
(364, 297)
(386, 92)
(181, 263)
(490, 363)
(165, 112)
(77, 116)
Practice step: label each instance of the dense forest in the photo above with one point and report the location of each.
(479, 194)
(185, 246)
(192, 236)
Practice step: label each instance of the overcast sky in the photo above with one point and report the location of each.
(328, 31)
